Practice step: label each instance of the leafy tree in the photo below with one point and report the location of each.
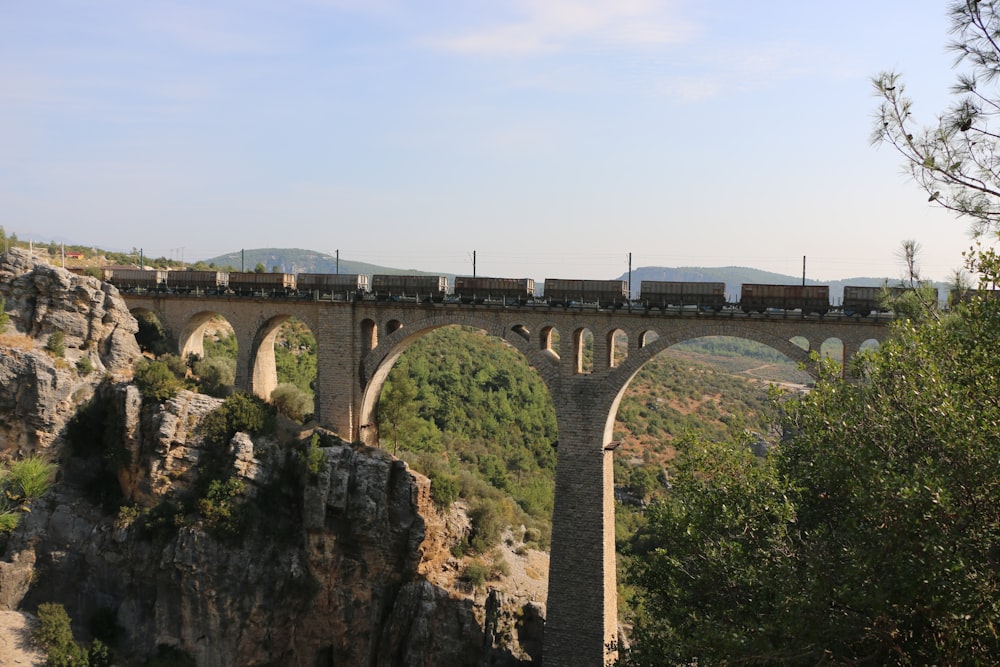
(292, 401)
(870, 534)
(56, 344)
(156, 381)
(954, 160)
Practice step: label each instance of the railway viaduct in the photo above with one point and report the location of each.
(359, 341)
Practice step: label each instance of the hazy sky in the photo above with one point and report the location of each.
(552, 137)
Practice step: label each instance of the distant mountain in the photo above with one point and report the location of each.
(297, 260)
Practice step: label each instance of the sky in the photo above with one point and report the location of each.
(550, 138)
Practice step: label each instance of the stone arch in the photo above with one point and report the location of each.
(369, 335)
(376, 366)
(833, 348)
(582, 338)
(548, 341)
(647, 336)
(640, 357)
(392, 326)
(191, 338)
(263, 371)
(617, 347)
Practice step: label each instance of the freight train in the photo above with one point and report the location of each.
(666, 296)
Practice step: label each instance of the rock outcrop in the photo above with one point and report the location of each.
(340, 564)
(40, 389)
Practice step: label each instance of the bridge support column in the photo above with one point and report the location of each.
(582, 607)
(338, 361)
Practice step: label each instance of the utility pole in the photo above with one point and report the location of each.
(630, 276)
(473, 263)
(803, 270)
(338, 261)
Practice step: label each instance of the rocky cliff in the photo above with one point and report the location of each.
(344, 561)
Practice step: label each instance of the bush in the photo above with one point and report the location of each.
(156, 381)
(56, 344)
(28, 478)
(53, 631)
(292, 401)
(215, 375)
(445, 488)
(475, 574)
(222, 507)
(84, 366)
(4, 317)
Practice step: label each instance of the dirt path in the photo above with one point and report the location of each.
(15, 641)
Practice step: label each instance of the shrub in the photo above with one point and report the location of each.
(28, 478)
(84, 366)
(445, 488)
(56, 344)
(215, 375)
(222, 506)
(475, 574)
(53, 631)
(292, 401)
(156, 381)
(4, 317)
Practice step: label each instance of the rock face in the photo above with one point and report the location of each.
(338, 565)
(39, 390)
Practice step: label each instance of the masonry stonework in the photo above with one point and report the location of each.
(358, 342)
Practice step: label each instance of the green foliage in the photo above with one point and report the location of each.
(475, 574)
(870, 534)
(84, 366)
(292, 402)
(314, 459)
(56, 344)
(215, 375)
(222, 507)
(53, 630)
(445, 488)
(156, 381)
(151, 336)
(953, 161)
(295, 356)
(28, 478)
(239, 412)
(20, 482)
(4, 317)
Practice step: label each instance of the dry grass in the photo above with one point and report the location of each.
(17, 341)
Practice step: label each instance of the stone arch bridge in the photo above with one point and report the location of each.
(358, 342)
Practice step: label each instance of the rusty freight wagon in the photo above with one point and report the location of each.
(605, 293)
(807, 298)
(477, 289)
(186, 282)
(126, 279)
(387, 287)
(261, 284)
(664, 294)
(339, 285)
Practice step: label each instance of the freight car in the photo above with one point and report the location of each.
(402, 287)
(207, 282)
(807, 298)
(261, 284)
(477, 289)
(863, 301)
(146, 280)
(605, 293)
(341, 285)
(663, 294)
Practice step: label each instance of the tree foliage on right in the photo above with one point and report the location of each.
(870, 534)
